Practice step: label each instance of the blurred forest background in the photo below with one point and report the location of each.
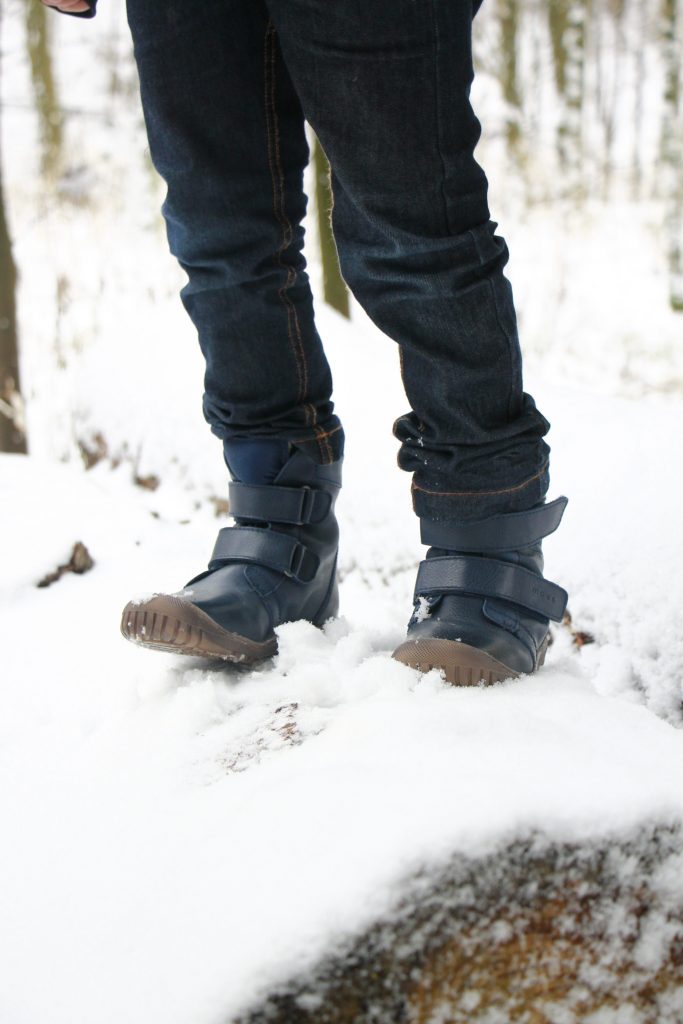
(581, 103)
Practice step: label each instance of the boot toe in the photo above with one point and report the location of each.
(455, 636)
(169, 622)
(461, 663)
(228, 598)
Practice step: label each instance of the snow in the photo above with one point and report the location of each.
(184, 835)
(178, 837)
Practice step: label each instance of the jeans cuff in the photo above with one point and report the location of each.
(470, 506)
(323, 445)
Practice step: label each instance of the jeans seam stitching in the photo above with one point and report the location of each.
(471, 494)
(324, 444)
(275, 164)
(437, 108)
(499, 321)
(318, 437)
(323, 450)
(510, 343)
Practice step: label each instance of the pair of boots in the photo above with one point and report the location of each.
(482, 606)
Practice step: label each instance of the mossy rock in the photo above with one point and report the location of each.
(535, 933)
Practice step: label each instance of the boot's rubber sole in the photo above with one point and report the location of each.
(168, 623)
(461, 664)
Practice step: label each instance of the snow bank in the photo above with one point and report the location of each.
(178, 838)
(181, 836)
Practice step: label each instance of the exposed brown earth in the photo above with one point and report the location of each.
(534, 933)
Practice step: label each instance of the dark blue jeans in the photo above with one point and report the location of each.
(226, 85)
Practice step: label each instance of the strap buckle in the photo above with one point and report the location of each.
(306, 507)
(303, 564)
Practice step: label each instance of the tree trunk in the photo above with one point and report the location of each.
(672, 148)
(508, 18)
(335, 291)
(12, 426)
(567, 23)
(44, 89)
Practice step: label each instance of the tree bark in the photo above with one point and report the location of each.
(335, 291)
(12, 424)
(44, 88)
(509, 15)
(672, 147)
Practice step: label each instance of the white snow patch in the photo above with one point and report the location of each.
(178, 837)
(168, 818)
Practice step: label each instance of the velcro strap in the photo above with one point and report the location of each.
(487, 577)
(498, 533)
(294, 505)
(265, 547)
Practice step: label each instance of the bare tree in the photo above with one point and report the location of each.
(42, 77)
(567, 21)
(672, 145)
(509, 13)
(12, 424)
(335, 291)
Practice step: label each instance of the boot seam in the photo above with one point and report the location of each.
(261, 595)
(330, 587)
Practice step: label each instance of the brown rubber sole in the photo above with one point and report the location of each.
(461, 664)
(171, 624)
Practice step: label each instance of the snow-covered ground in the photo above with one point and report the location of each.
(177, 837)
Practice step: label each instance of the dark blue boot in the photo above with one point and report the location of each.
(482, 606)
(277, 564)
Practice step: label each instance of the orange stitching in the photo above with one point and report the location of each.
(476, 494)
(326, 452)
(272, 128)
(326, 433)
(309, 405)
(321, 450)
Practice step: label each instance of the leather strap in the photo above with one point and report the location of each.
(296, 506)
(487, 577)
(498, 533)
(265, 547)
